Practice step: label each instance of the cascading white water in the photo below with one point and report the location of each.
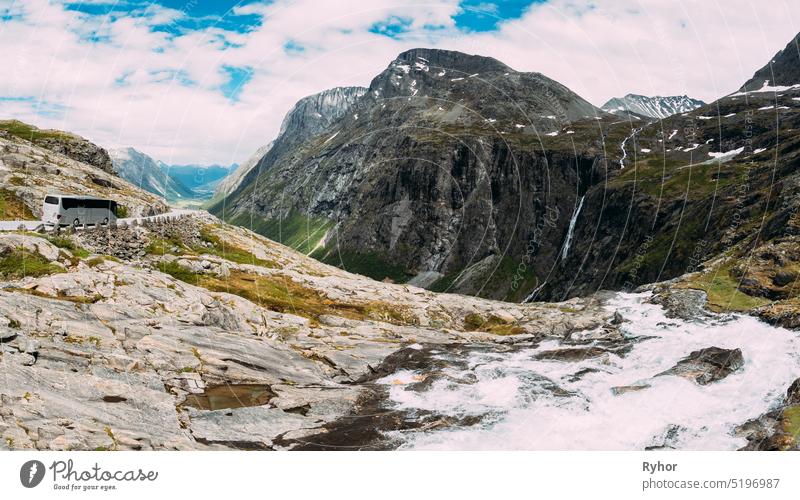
(622, 146)
(571, 229)
(507, 386)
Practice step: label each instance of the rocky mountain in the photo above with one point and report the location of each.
(307, 118)
(781, 71)
(713, 193)
(65, 143)
(28, 171)
(442, 166)
(652, 107)
(232, 181)
(141, 170)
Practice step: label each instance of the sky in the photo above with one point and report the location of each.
(208, 82)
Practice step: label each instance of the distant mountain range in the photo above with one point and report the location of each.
(172, 182)
(200, 179)
(652, 107)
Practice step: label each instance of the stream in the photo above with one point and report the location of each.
(524, 398)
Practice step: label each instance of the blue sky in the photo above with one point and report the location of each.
(199, 81)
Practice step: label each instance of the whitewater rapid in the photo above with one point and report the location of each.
(521, 411)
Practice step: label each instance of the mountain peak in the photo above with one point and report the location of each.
(451, 60)
(783, 70)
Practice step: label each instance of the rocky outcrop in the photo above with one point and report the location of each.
(31, 172)
(776, 430)
(79, 149)
(64, 143)
(708, 365)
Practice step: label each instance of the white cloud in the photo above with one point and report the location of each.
(702, 48)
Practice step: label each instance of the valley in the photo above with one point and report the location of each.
(457, 256)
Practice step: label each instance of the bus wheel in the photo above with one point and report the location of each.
(105, 221)
(76, 223)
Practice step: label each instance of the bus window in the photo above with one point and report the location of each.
(68, 203)
(51, 200)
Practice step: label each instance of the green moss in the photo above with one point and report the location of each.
(31, 133)
(21, 263)
(282, 294)
(68, 243)
(791, 421)
(723, 292)
(671, 178)
(179, 272)
(95, 261)
(164, 246)
(122, 211)
(473, 321)
(493, 324)
(228, 251)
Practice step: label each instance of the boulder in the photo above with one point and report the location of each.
(684, 304)
(33, 244)
(571, 354)
(793, 393)
(707, 365)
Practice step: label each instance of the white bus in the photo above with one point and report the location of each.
(65, 210)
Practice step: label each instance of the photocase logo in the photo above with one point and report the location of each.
(31, 473)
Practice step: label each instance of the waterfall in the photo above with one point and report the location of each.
(571, 229)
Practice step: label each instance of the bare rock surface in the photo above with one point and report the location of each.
(112, 349)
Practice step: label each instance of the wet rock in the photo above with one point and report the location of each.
(572, 354)
(708, 365)
(578, 375)
(793, 393)
(244, 428)
(687, 304)
(224, 396)
(668, 440)
(772, 431)
(783, 278)
(625, 389)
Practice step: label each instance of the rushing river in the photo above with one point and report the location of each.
(538, 404)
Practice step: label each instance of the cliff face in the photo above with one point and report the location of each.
(309, 116)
